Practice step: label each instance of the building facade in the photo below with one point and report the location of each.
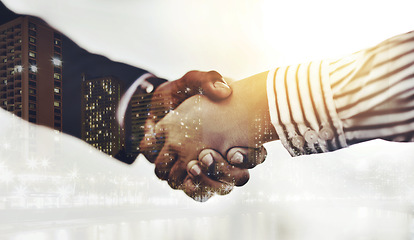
(31, 71)
(100, 98)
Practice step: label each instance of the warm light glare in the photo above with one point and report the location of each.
(308, 30)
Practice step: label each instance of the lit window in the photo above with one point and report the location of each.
(33, 68)
(32, 54)
(57, 90)
(18, 68)
(56, 104)
(56, 75)
(57, 62)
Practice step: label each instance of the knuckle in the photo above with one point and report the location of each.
(242, 179)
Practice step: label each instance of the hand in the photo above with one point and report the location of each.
(200, 123)
(199, 184)
(170, 95)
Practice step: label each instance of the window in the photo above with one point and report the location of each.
(57, 97)
(57, 35)
(57, 49)
(57, 90)
(32, 33)
(57, 42)
(56, 76)
(32, 112)
(56, 104)
(32, 40)
(32, 98)
(32, 106)
(32, 54)
(33, 68)
(31, 83)
(32, 76)
(32, 91)
(32, 26)
(32, 47)
(32, 119)
(32, 61)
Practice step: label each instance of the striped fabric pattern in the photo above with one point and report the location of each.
(326, 105)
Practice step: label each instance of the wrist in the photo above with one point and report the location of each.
(250, 101)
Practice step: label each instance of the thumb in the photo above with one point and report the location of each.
(246, 157)
(215, 87)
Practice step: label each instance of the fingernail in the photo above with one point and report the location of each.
(195, 170)
(237, 158)
(207, 160)
(221, 85)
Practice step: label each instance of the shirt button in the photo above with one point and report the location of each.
(311, 137)
(298, 141)
(326, 133)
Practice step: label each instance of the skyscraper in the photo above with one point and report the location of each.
(31, 71)
(142, 103)
(100, 98)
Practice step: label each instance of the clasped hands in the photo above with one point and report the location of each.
(206, 143)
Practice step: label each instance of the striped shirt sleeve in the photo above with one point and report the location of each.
(322, 106)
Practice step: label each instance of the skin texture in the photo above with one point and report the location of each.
(216, 177)
(200, 123)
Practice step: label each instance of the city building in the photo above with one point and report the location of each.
(144, 104)
(31, 71)
(100, 98)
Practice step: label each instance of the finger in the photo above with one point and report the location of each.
(203, 183)
(215, 87)
(217, 168)
(164, 162)
(177, 174)
(152, 142)
(167, 156)
(193, 191)
(209, 83)
(246, 158)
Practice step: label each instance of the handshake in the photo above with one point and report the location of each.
(213, 132)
